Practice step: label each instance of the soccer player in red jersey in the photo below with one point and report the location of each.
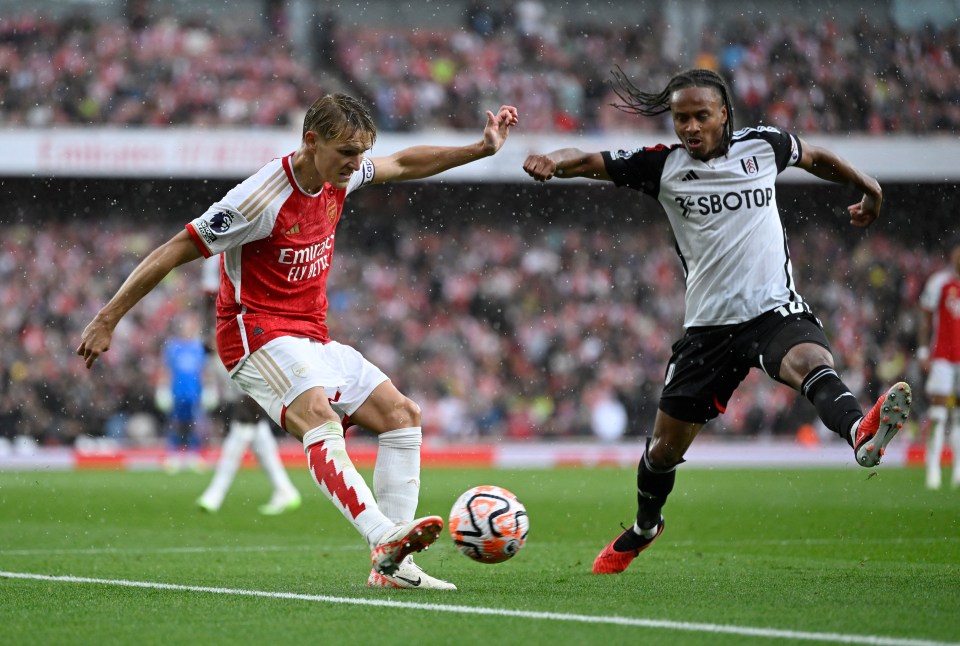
(717, 189)
(276, 231)
(938, 350)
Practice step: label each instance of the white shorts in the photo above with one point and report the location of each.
(944, 378)
(285, 368)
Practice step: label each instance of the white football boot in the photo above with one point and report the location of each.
(280, 502)
(408, 576)
(207, 504)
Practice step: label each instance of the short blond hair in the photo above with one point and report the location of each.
(338, 116)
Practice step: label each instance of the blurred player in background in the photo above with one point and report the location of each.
(938, 350)
(276, 233)
(717, 187)
(246, 427)
(184, 394)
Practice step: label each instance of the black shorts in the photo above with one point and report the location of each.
(708, 363)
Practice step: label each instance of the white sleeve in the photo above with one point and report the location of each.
(222, 227)
(361, 177)
(247, 212)
(930, 296)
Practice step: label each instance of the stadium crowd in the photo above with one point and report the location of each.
(156, 70)
(520, 331)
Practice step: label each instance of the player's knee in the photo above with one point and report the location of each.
(405, 413)
(311, 409)
(801, 360)
(663, 456)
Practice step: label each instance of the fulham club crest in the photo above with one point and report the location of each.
(750, 165)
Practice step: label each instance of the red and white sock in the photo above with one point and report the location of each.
(396, 476)
(338, 479)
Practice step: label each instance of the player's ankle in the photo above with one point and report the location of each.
(852, 433)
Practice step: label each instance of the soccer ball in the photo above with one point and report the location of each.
(489, 524)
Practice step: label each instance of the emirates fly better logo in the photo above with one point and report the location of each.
(309, 261)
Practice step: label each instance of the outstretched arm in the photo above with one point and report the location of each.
(827, 165)
(96, 337)
(566, 162)
(418, 162)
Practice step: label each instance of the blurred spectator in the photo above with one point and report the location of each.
(484, 17)
(608, 415)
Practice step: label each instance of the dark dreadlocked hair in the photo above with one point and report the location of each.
(648, 104)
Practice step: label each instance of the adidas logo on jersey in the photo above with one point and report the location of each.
(295, 229)
(689, 176)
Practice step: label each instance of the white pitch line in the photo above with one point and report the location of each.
(538, 545)
(872, 640)
(172, 550)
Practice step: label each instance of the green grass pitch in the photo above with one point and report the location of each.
(752, 556)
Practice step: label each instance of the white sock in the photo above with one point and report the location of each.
(396, 476)
(268, 454)
(646, 533)
(938, 422)
(231, 454)
(853, 432)
(338, 479)
(955, 443)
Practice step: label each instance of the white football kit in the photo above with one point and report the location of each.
(725, 221)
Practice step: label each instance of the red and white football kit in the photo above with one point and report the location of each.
(941, 297)
(277, 245)
(941, 300)
(277, 242)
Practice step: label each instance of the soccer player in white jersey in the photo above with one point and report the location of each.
(246, 427)
(276, 231)
(938, 350)
(717, 187)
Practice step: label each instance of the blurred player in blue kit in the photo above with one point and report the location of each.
(184, 394)
(743, 311)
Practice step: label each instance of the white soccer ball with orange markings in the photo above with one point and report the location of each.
(489, 524)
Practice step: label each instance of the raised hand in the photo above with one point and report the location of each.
(498, 126)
